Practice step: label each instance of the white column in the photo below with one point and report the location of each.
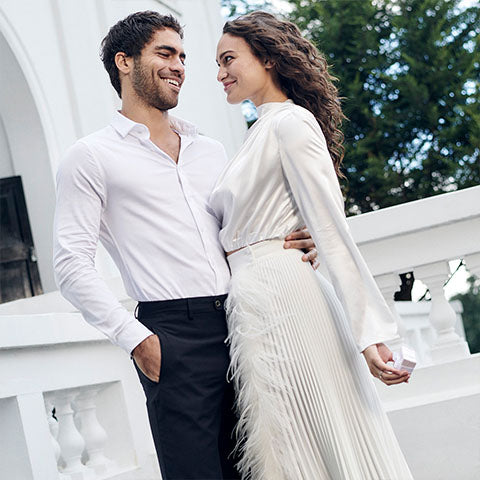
(91, 430)
(70, 441)
(37, 437)
(388, 285)
(448, 345)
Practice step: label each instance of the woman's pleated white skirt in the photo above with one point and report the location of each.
(308, 408)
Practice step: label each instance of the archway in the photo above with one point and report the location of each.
(24, 139)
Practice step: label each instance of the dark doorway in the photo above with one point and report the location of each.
(19, 276)
(405, 292)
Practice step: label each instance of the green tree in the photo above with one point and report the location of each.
(351, 34)
(471, 313)
(239, 7)
(409, 74)
(431, 110)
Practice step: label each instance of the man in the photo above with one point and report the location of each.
(141, 186)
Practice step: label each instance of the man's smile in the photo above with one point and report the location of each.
(175, 83)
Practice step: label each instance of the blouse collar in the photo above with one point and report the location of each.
(270, 106)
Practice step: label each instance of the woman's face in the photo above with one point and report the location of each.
(243, 75)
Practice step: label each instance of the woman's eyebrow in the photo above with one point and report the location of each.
(224, 53)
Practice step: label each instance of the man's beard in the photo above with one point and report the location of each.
(148, 90)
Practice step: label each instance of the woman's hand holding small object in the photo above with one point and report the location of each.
(377, 356)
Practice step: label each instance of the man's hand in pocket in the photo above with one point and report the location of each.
(148, 357)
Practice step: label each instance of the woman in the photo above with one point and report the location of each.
(307, 404)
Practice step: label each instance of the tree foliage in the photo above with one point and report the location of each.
(471, 313)
(239, 7)
(409, 75)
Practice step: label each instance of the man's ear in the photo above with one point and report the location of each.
(123, 63)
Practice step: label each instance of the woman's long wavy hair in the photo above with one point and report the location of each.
(301, 70)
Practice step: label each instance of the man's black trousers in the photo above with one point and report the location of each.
(191, 407)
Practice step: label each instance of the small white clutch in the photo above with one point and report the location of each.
(404, 359)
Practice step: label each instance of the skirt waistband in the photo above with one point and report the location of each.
(259, 250)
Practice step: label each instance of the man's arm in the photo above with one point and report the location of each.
(302, 240)
(81, 197)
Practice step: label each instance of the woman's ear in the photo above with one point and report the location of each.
(268, 63)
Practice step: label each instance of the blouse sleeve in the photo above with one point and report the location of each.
(311, 177)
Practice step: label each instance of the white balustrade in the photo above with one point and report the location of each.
(388, 285)
(422, 236)
(93, 433)
(59, 353)
(90, 384)
(69, 438)
(78, 438)
(53, 427)
(448, 345)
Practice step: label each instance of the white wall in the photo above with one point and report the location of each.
(6, 165)
(54, 90)
(203, 99)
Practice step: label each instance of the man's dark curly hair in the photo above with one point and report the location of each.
(130, 35)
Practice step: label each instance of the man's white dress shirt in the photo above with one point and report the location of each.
(151, 215)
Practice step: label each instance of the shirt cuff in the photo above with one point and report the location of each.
(132, 335)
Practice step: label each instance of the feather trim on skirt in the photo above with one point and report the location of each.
(307, 405)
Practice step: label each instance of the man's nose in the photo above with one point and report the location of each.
(178, 66)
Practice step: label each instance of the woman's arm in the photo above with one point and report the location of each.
(309, 171)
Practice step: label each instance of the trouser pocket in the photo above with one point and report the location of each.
(163, 357)
(163, 350)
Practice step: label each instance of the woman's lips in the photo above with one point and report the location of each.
(227, 85)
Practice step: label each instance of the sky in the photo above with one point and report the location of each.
(458, 284)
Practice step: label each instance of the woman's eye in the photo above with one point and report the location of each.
(228, 58)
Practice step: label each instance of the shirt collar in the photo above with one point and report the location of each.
(125, 126)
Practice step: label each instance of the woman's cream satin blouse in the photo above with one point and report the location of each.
(282, 179)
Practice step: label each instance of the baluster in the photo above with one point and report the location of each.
(472, 262)
(388, 285)
(91, 430)
(448, 345)
(69, 438)
(53, 426)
